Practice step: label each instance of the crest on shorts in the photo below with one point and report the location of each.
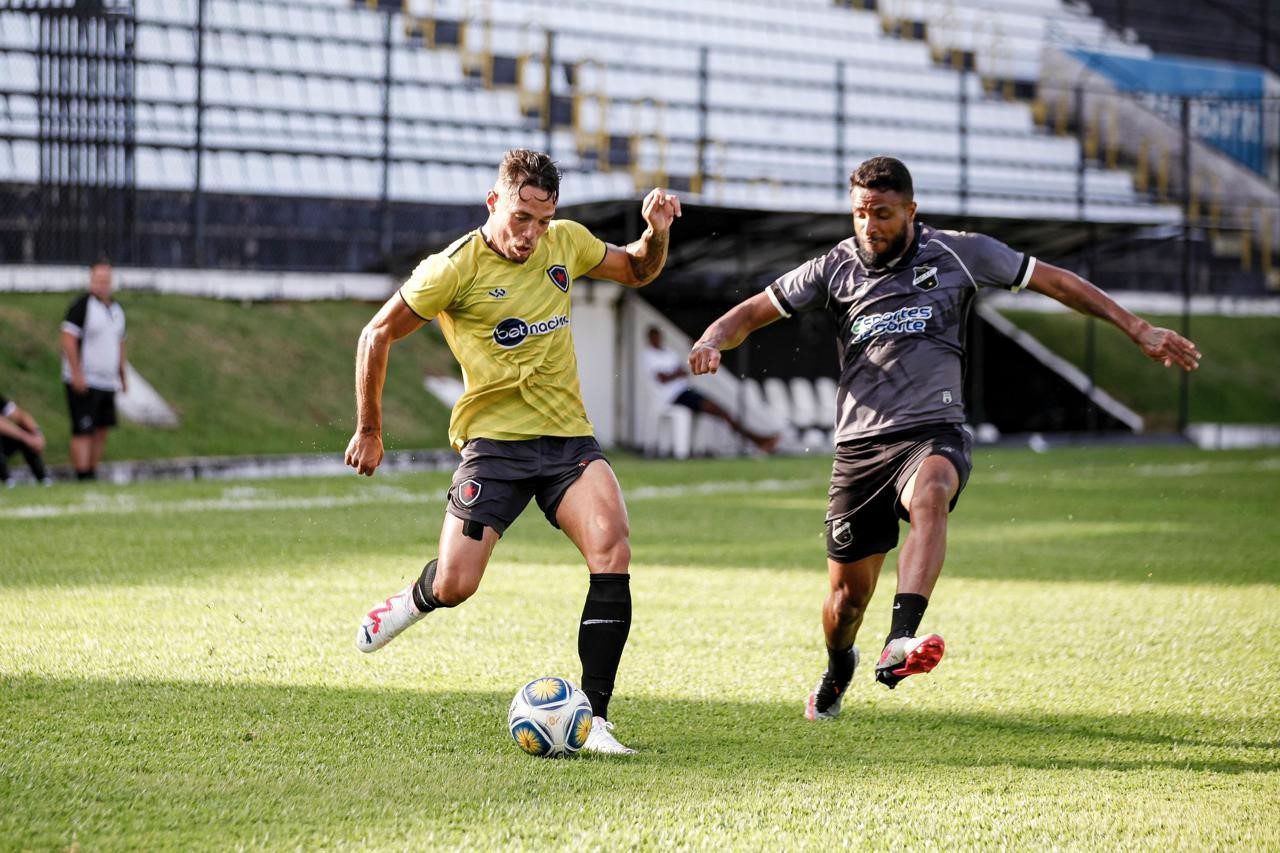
(925, 278)
(841, 532)
(559, 277)
(468, 492)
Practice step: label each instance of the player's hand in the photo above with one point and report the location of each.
(364, 452)
(1169, 348)
(704, 358)
(78, 384)
(35, 441)
(660, 208)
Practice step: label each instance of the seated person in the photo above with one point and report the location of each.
(19, 433)
(670, 375)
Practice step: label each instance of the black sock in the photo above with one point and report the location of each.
(606, 621)
(423, 598)
(840, 664)
(91, 474)
(908, 610)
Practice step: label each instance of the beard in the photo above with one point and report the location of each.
(877, 260)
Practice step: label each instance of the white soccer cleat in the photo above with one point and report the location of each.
(386, 619)
(601, 739)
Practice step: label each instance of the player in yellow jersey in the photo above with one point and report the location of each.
(501, 295)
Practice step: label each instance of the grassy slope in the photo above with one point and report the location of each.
(1237, 381)
(244, 377)
(276, 377)
(177, 669)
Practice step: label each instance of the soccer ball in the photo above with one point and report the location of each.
(549, 717)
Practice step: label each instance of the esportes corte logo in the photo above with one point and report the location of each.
(909, 320)
(512, 331)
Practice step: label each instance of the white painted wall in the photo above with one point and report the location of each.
(595, 338)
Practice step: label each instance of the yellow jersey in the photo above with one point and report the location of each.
(508, 326)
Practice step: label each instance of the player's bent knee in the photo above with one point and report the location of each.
(930, 496)
(849, 600)
(614, 556)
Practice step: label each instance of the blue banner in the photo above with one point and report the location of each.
(1227, 99)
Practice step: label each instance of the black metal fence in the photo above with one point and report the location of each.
(87, 197)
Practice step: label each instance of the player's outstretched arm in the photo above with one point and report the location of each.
(1163, 345)
(730, 331)
(639, 262)
(392, 322)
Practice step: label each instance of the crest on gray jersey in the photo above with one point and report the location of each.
(925, 278)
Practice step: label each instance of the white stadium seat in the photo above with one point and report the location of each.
(769, 120)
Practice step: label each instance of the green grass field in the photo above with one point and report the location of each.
(1236, 382)
(178, 670)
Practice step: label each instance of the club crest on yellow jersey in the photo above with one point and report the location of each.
(559, 276)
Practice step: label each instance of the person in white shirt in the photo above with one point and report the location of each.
(670, 373)
(93, 368)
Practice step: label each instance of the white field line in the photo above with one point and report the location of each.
(248, 499)
(242, 499)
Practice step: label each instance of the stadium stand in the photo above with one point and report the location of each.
(748, 103)
(343, 135)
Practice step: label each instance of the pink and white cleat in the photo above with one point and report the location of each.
(908, 656)
(386, 619)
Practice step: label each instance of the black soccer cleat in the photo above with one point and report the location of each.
(825, 699)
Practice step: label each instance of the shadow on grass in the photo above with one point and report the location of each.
(67, 721)
(174, 764)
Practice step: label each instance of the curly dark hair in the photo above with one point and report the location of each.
(522, 168)
(882, 173)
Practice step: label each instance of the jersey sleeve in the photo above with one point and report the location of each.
(802, 289)
(431, 287)
(588, 249)
(73, 322)
(991, 263)
(7, 406)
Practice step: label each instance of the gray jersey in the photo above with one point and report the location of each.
(901, 328)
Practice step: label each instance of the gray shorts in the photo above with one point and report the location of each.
(867, 479)
(496, 479)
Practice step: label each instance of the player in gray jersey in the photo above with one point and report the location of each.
(900, 292)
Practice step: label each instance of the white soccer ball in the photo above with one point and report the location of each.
(549, 717)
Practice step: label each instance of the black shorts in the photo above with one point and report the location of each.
(690, 399)
(496, 479)
(94, 409)
(867, 479)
